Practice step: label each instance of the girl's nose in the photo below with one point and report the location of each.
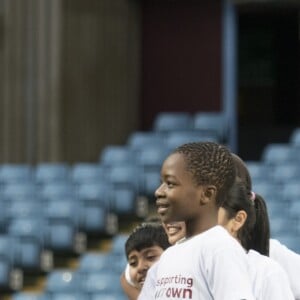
(159, 191)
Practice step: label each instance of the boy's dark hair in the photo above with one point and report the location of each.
(210, 164)
(146, 235)
(258, 238)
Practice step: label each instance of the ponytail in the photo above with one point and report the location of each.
(260, 233)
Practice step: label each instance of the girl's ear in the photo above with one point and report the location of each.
(239, 220)
(208, 194)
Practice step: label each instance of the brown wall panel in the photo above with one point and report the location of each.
(100, 75)
(181, 56)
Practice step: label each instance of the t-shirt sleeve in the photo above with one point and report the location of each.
(290, 262)
(227, 275)
(148, 290)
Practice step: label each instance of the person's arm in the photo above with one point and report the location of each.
(130, 291)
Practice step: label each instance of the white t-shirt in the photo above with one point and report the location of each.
(290, 262)
(211, 265)
(268, 278)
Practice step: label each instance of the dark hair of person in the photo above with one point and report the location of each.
(210, 164)
(259, 239)
(147, 235)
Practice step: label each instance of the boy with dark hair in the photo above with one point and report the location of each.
(143, 248)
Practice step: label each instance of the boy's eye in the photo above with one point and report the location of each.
(152, 257)
(132, 263)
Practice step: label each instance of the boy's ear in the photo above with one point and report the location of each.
(208, 194)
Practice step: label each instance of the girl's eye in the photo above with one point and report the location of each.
(170, 184)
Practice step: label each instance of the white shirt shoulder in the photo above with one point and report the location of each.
(289, 261)
(268, 278)
(211, 265)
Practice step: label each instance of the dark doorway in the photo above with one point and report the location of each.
(268, 91)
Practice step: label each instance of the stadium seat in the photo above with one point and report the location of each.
(99, 282)
(124, 200)
(143, 139)
(150, 182)
(125, 175)
(212, 123)
(258, 170)
(69, 296)
(14, 173)
(178, 138)
(152, 157)
(278, 153)
(11, 277)
(91, 262)
(170, 121)
(285, 172)
(87, 173)
(291, 191)
(29, 296)
(97, 209)
(52, 190)
(63, 280)
(108, 296)
(116, 155)
(51, 172)
(29, 233)
(19, 189)
(63, 218)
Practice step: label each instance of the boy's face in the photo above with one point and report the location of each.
(140, 261)
(178, 197)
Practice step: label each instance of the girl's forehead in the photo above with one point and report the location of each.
(174, 160)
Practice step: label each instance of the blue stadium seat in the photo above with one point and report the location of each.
(116, 155)
(108, 296)
(125, 175)
(69, 296)
(212, 123)
(29, 296)
(286, 172)
(99, 282)
(97, 210)
(180, 137)
(19, 189)
(51, 172)
(29, 233)
(63, 217)
(14, 173)
(152, 157)
(278, 153)
(124, 200)
(63, 280)
(268, 190)
(11, 277)
(170, 121)
(91, 262)
(258, 170)
(150, 182)
(143, 139)
(54, 190)
(87, 173)
(291, 190)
